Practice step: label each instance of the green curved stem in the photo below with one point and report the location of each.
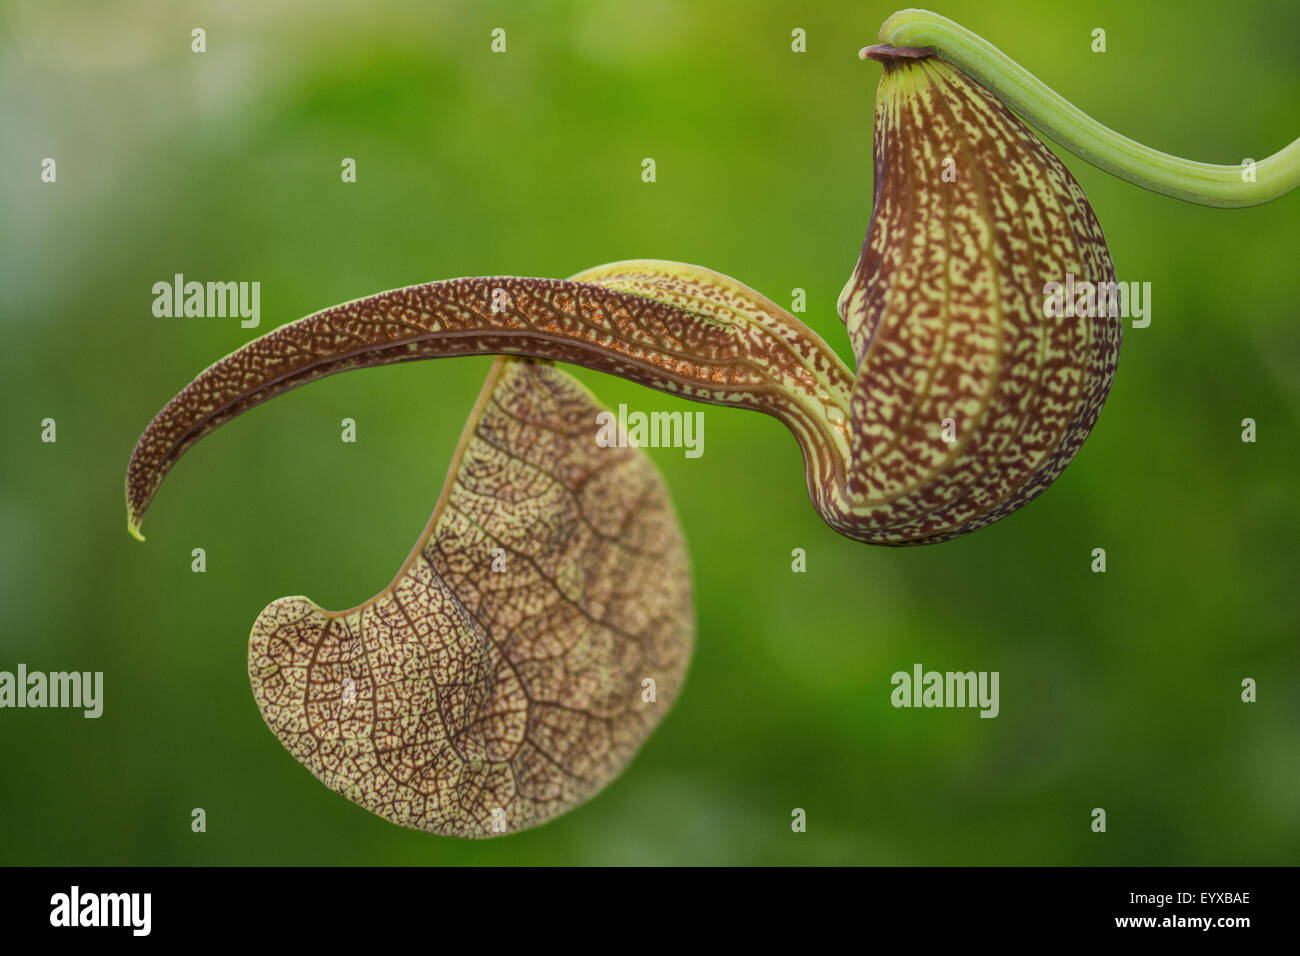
(1061, 121)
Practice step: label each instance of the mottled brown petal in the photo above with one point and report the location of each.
(678, 328)
(463, 697)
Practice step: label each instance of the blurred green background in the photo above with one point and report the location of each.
(1119, 690)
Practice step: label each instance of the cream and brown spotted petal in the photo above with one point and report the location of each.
(471, 701)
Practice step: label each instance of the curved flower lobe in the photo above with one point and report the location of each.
(499, 680)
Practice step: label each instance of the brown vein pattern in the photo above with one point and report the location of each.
(463, 696)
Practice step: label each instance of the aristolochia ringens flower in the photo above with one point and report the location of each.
(543, 623)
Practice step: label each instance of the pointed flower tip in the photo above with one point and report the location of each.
(133, 525)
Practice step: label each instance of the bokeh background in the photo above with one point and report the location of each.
(1119, 690)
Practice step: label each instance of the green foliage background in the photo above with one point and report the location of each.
(1118, 690)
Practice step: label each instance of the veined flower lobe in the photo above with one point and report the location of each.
(967, 401)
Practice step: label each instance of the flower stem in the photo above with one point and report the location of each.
(1064, 123)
